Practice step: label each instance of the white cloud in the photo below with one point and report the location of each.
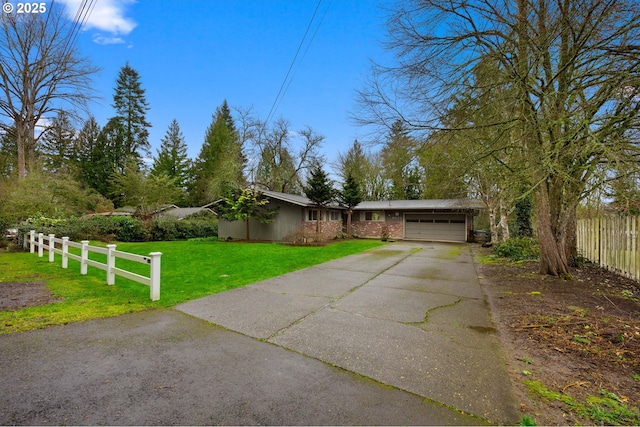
(100, 39)
(107, 16)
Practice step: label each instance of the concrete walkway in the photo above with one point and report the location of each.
(410, 315)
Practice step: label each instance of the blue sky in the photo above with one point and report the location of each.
(193, 54)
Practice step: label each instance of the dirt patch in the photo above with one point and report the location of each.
(574, 346)
(18, 295)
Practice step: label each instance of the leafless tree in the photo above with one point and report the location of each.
(573, 67)
(41, 73)
(284, 156)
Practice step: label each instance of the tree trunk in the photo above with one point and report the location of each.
(349, 212)
(504, 220)
(492, 224)
(553, 259)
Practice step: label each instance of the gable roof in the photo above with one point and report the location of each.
(432, 204)
(296, 199)
(181, 213)
(435, 204)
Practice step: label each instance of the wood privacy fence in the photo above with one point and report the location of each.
(612, 242)
(49, 243)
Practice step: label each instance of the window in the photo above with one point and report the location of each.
(334, 216)
(372, 216)
(312, 215)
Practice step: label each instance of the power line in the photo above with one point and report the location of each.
(304, 54)
(280, 91)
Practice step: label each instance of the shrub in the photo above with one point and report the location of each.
(521, 248)
(120, 228)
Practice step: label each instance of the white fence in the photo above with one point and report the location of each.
(612, 242)
(153, 281)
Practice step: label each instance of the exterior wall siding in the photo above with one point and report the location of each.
(288, 220)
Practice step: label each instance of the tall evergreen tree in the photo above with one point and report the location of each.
(58, 149)
(131, 108)
(8, 153)
(397, 158)
(94, 157)
(320, 191)
(220, 162)
(172, 159)
(350, 196)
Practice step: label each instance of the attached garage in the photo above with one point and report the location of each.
(444, 220)
(435, 227)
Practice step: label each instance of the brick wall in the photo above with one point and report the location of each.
(376, 228)
(328, 229)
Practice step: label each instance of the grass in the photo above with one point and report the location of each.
(607, 408)
(190, 269)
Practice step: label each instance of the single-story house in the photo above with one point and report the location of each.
(296, 216)
(432, 220)
(174, 212)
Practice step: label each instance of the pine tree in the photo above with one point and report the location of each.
(8, 153)
(350, 196)
(220, 163)
(58, 145)
(320, 191)
(131, 108)
(94, 167)
(172, 159)
(397, 158)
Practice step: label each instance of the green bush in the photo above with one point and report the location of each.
(520, 248)
(120, 228)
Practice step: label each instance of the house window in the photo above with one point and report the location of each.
(312, 215)
(372, 216)
(334, 216)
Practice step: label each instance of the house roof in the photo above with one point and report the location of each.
(295, 199)
(180, 213)
(433, 204)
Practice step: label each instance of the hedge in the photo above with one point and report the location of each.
(121, 228)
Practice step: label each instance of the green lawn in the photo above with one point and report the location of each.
(190, 269)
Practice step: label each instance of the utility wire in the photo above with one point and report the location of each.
(304, 54)
(280, 91)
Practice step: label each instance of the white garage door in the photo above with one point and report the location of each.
(436, 227)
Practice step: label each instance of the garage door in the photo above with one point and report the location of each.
(449, 228)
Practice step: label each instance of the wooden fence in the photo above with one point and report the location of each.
(49, 242)
(612, 242)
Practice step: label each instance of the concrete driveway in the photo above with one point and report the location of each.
(398, 335)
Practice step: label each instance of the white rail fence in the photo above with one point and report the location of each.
(612, 242)
(49, 242)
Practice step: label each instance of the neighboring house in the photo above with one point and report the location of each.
(175, 212)
(432, 220)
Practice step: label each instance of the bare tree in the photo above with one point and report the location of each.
(574, 70)
(41, 73)
(282, 162)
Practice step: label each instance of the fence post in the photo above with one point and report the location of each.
(111, 263)
(40, 245)
(51, 247)
(84, 255)
(154, 275)
(32, 241)
(65, 250)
